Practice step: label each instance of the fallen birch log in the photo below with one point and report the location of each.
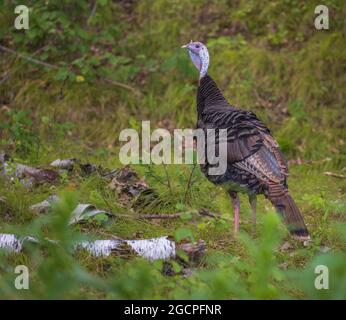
(151, 249)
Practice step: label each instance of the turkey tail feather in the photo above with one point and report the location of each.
(287, 208)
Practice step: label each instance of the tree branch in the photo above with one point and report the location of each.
(335, 175)
(28, 58)
(55, 67)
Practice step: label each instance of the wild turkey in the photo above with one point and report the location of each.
(255, 164)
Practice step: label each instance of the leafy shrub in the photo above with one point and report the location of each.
(19, 129)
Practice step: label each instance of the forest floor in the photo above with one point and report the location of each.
(319, 195)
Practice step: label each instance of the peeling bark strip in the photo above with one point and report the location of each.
(70, 164)
(12, 243)
(4, 157)
(31, 176)
(66, 164)
(151, 249)
(28, 176)
(99, 247)
(44, 205)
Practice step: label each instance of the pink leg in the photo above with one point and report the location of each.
(236, 210)
(236, 221)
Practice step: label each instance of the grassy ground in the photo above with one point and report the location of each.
(266, 56)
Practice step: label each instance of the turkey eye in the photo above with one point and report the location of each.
(197, 46)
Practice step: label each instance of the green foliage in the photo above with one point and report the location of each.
(230, 276)
(19, 128)
(336, 266)
(59, 30)
(184, 234)
(263, 271)
(56, 274)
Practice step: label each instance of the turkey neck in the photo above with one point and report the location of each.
(209, 95)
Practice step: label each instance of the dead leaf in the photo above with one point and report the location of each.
(127, 184)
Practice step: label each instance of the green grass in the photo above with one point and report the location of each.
(320, 198)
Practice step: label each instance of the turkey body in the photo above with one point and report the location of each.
(255, 164)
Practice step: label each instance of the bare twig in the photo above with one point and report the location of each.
(55, 67)
(6, 77)
(207, 213)
(148, 216)
(28, 58)
(262, 101)
(177, 215)
(121, 85)
(92, 13)
(9, 73)
(201, 212)
(159, 216)
(335, 175)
